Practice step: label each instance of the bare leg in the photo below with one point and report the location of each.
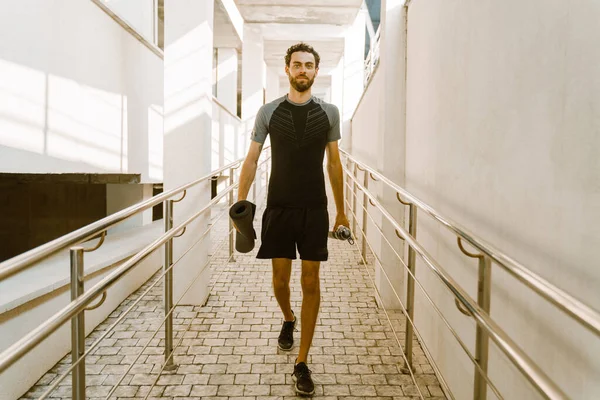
(282, 270)
(311, 300)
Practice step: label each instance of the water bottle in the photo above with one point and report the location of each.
(342, 233)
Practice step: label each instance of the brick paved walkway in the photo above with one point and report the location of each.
(229, 347)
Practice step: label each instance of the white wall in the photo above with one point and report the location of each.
(502, 135)
(273, 85)
(78, 93)
(188, 136)
(229, 140)
(138, 13)
(366, 142)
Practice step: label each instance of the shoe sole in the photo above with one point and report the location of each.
(282, 349)
(298, 391)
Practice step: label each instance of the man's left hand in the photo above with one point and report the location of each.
(341, 219)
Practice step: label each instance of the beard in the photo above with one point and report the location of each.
(301, 85)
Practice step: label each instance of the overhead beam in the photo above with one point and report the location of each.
(235, 17)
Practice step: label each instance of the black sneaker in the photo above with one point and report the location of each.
(286, 337)
(304, 383)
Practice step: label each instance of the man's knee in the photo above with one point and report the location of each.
(310, 277)
(280, 283)
(282, 269)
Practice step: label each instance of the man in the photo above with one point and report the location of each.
(301, 128)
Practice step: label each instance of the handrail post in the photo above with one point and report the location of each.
(77, 325)
(168, 288)
(231, 181)
(484, 286)
(363, 249)
(410, 287)
(354, 197)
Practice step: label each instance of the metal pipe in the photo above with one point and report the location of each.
(25, 260)
(410, 286)
(436, 370)
(482, 340)
(584, 314)
(519, 358)
(354, 198)
(231, 181)
(445, 387)
(363, 249)
(13, 353)
(33, 338)
(77, 325)
(168, 287)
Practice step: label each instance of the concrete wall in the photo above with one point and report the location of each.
(78, 93)
(368, 128)
(138, 13)
(230, 140)
(502, 135)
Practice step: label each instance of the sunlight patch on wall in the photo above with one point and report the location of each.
(216, 143)
(155, 142)
(22, 107)
(84, 123)
(230, 140)
(188, 90)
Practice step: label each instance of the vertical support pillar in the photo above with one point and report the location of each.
(272, 84)
(227, 77)
(364, 219)
(77, 326)
(354, 197)
(168, 288)
(410, 287)
(188, 66)
(484, 288)
(253, 70)
(231, 201)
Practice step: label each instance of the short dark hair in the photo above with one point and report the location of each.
(301, 47)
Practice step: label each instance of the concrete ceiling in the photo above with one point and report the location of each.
(225, 34)
(335, 12)
(282, 23)
(320, 23)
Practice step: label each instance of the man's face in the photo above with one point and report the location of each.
(302, 70)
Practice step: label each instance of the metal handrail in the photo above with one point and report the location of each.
(29, 341)
(581, 312)
(227, 110)
(519, 358)
(23, 261)
(427, 296)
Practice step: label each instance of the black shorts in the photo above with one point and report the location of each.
(285, 228)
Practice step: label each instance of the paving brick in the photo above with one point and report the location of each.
(229, 349)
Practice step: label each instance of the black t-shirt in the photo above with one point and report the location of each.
(299, 134)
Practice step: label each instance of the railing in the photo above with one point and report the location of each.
(372, 59)
(81, 300)
(480, 309)
(486, 329)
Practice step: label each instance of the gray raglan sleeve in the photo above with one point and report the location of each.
(334, 133)
(261, 126)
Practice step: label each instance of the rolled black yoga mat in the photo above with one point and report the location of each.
(242, 216)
